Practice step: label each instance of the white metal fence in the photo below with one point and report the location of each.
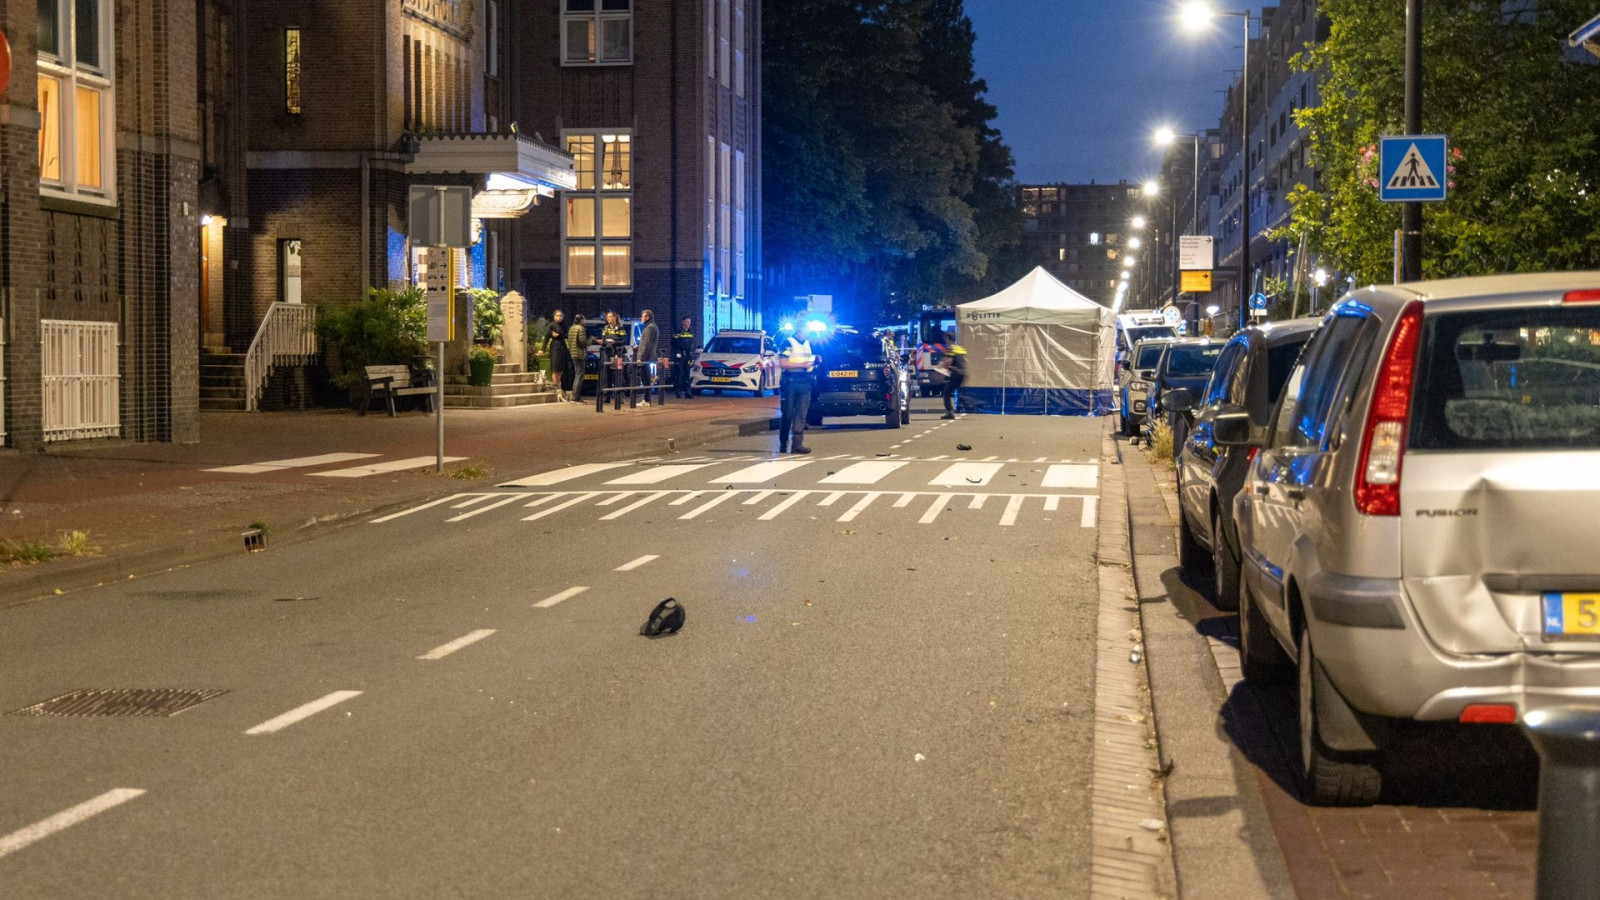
(287, 336)
(80, 380)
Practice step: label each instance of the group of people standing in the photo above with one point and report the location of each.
(567, 344)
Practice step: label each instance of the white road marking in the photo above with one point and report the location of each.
(1051, 504)
(686, 498)
(989, 459)
(840, 456)
(1041, 459)
(483, 509)
(896, 446)
(723, 497)
(657, 474)
(65, 819)
(1071, 477)
(1090, 505)
(633, 506)
(760, 496)
(278, 465)
(937, 458)
(863, 473)
(860, 506)
(933, 511)
(384, 468)
(542, 500)
(904, 501)
(553, 599)
(443, 650)
(616, 498)
(831, 499)
(761, 472)
(977, 501)
(279, 723)
(966, 474)
(778, 510)
(429, 505)
(559, 507)
(630, 566)
(1012, 508)
(546, 479)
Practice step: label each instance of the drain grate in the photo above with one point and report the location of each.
(120, 702)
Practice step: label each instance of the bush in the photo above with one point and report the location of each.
(1160, 448)
(488, 319)
(388, 328)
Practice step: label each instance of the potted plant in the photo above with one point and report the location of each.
(480, 360)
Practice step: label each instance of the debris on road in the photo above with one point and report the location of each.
(963, 446)
(665, 619)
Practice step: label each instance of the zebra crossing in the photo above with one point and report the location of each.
(840, 470)
(364, 470)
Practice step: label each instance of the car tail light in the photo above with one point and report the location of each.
(1251, 459)
(1489, 714)
(1384, 442)
(1581, 297)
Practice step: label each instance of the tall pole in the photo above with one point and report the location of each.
(1244, 213)
(1411, 213)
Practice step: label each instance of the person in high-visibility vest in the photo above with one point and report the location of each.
(795, 362)
(682, 357)
(956, 359)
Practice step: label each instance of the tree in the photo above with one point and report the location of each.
(1520, 110)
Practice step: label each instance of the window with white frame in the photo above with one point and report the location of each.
(725, 221)
(76, 102)
(738, 224)
(738, 47)
(596, 32)
(711, 38)
(724, 26)
(597, 217)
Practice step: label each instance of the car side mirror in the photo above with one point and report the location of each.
(1231, 429)
(1178, 400)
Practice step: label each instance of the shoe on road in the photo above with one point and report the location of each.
(797, 449)
(948, 416)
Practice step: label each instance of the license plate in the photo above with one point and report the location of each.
(1569, 614)
(720, 380)
(844, 373)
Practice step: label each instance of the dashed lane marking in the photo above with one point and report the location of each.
(634, 505)
(553, 599)
(545, 479)
(384, 468)
(641, 561)
(443, 650)
(860, 507)
(1009, 517)
(708, 505)
(760, 473)
(1090, 506)
(65, 819)
(558, 507)
(832, 498)
(782, 507)
(278, 465)
(1052, 504)
(278, 723)
(935, 509)
(504, 501)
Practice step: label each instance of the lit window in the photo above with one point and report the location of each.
(597, 217)
(75, 99)
(597, 32)
(291, 70)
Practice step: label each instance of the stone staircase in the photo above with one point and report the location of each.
(508, 387)
(222, 380)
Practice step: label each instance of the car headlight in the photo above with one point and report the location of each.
(752, 368)
(1139, 386)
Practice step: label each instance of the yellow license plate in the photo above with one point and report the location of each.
(1572, 614)
(721, 380)
(844, 373)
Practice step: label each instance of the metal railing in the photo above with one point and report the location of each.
(80, 379)
(287, 337)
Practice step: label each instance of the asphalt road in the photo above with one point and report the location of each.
(883, 689)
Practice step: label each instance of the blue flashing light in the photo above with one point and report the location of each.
(816, 326)
(786, 326)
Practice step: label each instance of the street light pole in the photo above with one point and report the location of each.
(1244, 215)
(1411, 213)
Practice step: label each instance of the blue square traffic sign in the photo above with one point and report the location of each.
(1411, 168)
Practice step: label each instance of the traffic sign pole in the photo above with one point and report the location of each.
(1411, 213)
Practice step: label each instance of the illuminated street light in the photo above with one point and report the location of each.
(1135, 243)
(1137, 222)
(1152, 188)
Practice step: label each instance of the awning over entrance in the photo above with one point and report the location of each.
(519, 169)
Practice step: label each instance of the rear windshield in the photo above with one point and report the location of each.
(1149, 355)
(1184, 361)
(1145, 332)
(734, 345)
(1522, 379)
(843, 347)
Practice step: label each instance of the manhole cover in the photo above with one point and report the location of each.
(120, 702)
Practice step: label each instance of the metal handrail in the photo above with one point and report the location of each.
(287, 331)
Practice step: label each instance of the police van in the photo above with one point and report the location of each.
(1134, 327)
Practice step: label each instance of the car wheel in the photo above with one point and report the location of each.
(905, 415)
(891, 419)
(813, 420)
(1191, 555)
(1261, 659)
(1224, 567)
(1329, 778)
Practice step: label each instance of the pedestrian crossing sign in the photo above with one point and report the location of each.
(1411, 168)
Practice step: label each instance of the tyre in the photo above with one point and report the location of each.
(1191, 555)
(891, 418)
(1329, 778)
(1224, 567)
(1261, 659)
(905, 415)
(813, 419)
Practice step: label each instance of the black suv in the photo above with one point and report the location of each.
(1249, 376)
(859, 375)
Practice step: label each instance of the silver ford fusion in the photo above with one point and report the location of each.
(1420, 524)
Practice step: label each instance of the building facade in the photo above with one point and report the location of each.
(1083, 234)
(660, 106)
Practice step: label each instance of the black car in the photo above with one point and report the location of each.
(1248, 377)
(859, 375)
(1184, 363)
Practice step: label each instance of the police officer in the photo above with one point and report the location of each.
(796, 362)
(613, 350)
(956, 358)
(682, 356)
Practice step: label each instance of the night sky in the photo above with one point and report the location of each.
(1082, 84)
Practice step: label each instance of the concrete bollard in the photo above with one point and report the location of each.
(1568, 741)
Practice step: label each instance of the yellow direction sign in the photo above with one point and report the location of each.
(1195, 282)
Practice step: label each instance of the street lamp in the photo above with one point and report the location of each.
(1196, 14)
(1165, 138)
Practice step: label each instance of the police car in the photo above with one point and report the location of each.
(736, 361)
(859, 375)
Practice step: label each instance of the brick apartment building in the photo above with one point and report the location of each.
(660, 104)
(1081, 233)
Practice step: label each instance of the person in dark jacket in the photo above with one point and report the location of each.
(956, 358)
(555, 347)
(682, 357)
(644, 353)
(578, 349)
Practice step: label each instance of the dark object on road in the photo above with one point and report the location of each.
(963, 446)
(665, 619)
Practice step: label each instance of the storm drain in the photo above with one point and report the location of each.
(120, 702)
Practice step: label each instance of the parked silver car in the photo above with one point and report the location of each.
(1420, 525)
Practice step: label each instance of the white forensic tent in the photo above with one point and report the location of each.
(1038, 347)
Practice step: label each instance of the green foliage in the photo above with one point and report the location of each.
(1520, 113)
(538, 332)
(488, 319)
(390, 327)
(480, 354)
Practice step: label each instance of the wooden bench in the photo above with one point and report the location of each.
(388, 382)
